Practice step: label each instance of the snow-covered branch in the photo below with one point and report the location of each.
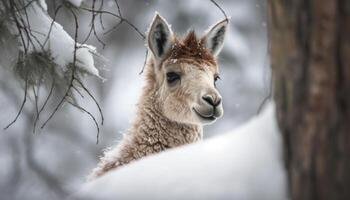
(49, 57)
(46, 35)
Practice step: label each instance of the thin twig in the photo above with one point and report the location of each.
(73, 70)
(101, 21)
(220, 8)
(36, 98)
(119, 10)
(52, 23)
(92, 117)
(270, 89)
(93, 98)
(114, 27)
(22, 105)
(18, 26)
(144, 62)
(92, 24)
(78, 91)
(117, 16)
(44, 104)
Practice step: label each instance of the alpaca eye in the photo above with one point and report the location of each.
(216, 78)
(172, 77)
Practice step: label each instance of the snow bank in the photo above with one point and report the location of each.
(243, 164)
(75, 3)
(43, 4)
(59, 43)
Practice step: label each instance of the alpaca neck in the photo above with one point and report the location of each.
(156, 128)
(151, 132)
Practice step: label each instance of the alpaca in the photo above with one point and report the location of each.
(179, 96)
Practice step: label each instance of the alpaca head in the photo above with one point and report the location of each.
(184, 72)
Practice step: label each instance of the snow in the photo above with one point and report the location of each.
(242, 164)
(75, 3)
(43, 4)
(60, 44)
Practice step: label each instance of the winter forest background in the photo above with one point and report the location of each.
(54, 160)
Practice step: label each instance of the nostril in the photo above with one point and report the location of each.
(209, 100)
(218, 101)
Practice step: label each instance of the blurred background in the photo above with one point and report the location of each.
(54, 162)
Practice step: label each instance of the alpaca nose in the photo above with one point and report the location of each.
(212, 101)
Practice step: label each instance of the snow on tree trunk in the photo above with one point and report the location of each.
(310, 48)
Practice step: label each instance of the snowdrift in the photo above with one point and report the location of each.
(245, 163)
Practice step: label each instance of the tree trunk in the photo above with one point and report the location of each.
(310, 55)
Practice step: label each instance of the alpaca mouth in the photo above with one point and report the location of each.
(206, 118)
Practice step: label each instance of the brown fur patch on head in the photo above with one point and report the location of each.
(190, 47)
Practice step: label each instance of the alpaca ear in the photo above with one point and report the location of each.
(160, 36)
(215, 35)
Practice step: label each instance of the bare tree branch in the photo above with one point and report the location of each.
(22, 105)
(92, 117)
(73, 70)
(220, 8)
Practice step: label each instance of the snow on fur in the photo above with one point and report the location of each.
(242, 164)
